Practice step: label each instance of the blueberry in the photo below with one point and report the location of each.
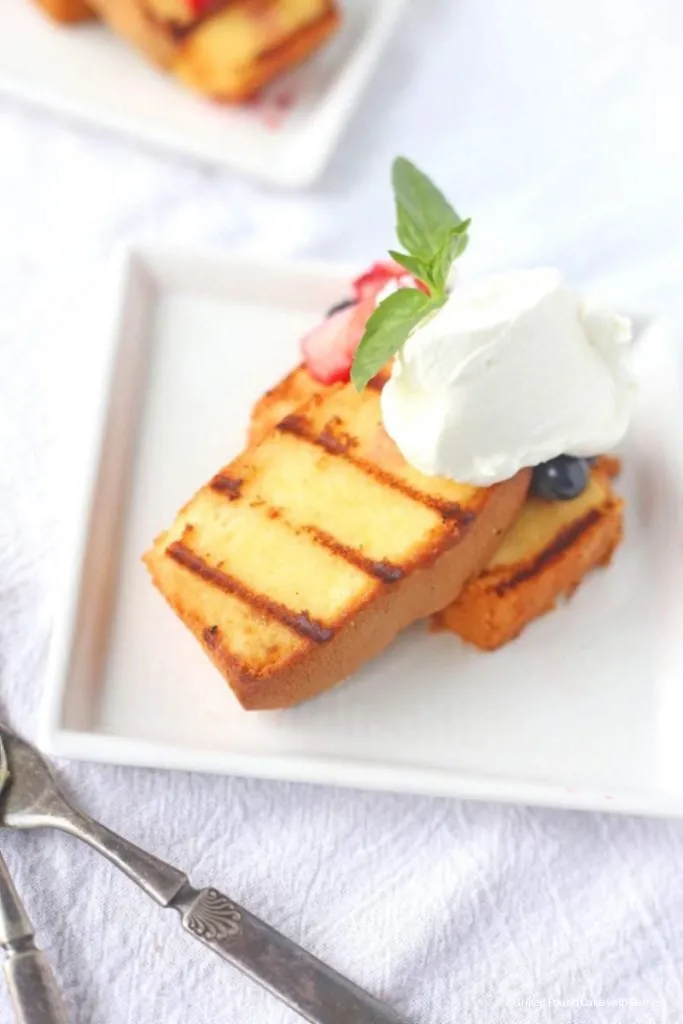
(344, 304)
(560, 479)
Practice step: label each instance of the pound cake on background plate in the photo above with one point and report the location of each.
(225, 49)
(264, 87)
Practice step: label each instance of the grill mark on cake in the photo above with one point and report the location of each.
(177, 31)
(299, 622)
(231, 486)
(324, 17)
(181, 32)
(383, 570)
(564, 539)
(229, 663)
(212, 637)
(380, 569)
(335, 440)
(298, 426)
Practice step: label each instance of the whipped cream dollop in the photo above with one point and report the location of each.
(512, 371)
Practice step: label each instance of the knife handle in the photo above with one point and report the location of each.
(304, 983)
(32, 987)
(299, 979)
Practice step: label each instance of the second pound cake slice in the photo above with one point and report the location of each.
(309, 552)
(543, 557)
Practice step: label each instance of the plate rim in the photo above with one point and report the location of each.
(105, 748)
(92, 745)
(354, 79)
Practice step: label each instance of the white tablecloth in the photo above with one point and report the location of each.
(556, 124)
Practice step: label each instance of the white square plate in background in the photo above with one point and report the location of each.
(286, 137)
(584, 710)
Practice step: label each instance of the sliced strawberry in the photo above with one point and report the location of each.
(328, 349)
(362, 312)
(200, 7)
(374, 280)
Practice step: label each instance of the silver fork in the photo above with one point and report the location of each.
(33, 799)
(31, 983)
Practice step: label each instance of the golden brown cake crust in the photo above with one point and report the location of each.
(317, 667)
(283, 399)
(198, 69)
(68, 12)
(495, 607)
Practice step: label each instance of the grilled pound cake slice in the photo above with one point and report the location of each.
(542, 558)
(297, 388)
(308, 553)
(226, 49)
(66, 11)
(545, 554)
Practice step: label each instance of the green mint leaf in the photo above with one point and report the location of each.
(424, 217)
(387, 331)
(434, 236)
(453, 246)
(413, 264)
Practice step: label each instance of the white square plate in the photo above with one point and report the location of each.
(584, 710)
(286, 137)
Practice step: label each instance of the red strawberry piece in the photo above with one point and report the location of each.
(200, 7)
(328, 349)
(374, 280)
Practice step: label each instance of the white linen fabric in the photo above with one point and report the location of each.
(557, 126)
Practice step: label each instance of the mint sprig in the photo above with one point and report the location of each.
(387, 330)
(424, 217)
(434, 236)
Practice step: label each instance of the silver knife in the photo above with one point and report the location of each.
(33, 799)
